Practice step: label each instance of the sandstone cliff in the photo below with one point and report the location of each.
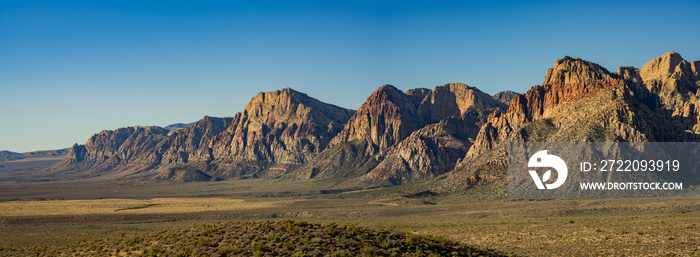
(505, 96)
(453, 132)
(675, 82)
(580, 101)
(281, 127)
(284, 128)
(406, 136)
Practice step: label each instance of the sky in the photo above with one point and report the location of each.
(70, 69)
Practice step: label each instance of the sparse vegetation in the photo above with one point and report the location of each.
(615, 227)
(266, 238)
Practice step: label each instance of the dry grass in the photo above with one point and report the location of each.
(614, 227)
(130, 206)
(264, 238)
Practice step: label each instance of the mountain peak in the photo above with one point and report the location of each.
(662, 67)
(388, 87)
(572, 70)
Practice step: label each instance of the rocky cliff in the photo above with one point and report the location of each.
(675, 83)
(407, 136)
(281, 127)
(580, 101)
(284, 128)
(505, 96)
(453, 132)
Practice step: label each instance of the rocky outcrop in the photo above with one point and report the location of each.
(179, 125)
(192, 144)
(630, 73)
(675, 82)
(397, 137)
(428, 152)
(569, 70)
(570, 80)
(580, 101)
(505, 96)
(130, 148)
(387, 117)
(390, 116)
(182, 175)
(658, 73)
(281, 127)
(410, 136)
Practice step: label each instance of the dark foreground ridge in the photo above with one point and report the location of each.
(265, 238)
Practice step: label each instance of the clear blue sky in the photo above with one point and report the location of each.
(69, 69)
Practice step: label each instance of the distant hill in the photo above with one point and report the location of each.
(21, 166)
(6, 156)
(179, 125)
(505, 96)
(10, 156)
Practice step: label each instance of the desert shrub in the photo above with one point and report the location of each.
(265, 238)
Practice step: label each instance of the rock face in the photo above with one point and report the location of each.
(387, 117)
(281, 127)
(131, 148)
(505, 96)
(571, 80)
(181, 175)
(675, 82)
(430, 151)
(409, 136)
(178, 125)
(454, 132)
(580, 101)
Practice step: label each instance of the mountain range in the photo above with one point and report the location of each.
(6, 156)
(453, 135)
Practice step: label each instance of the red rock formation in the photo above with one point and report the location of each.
(275, 127)
(283, 127)
(390, 116)
(417, 135)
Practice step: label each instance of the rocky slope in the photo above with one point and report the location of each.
(580, 101)
(6, 156)
(178, 125)
(406, 136)
(10, 156)
(453, 132)
(281, 127)
(675, 82)
(505, 96)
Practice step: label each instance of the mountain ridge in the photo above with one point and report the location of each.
(452, 133)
